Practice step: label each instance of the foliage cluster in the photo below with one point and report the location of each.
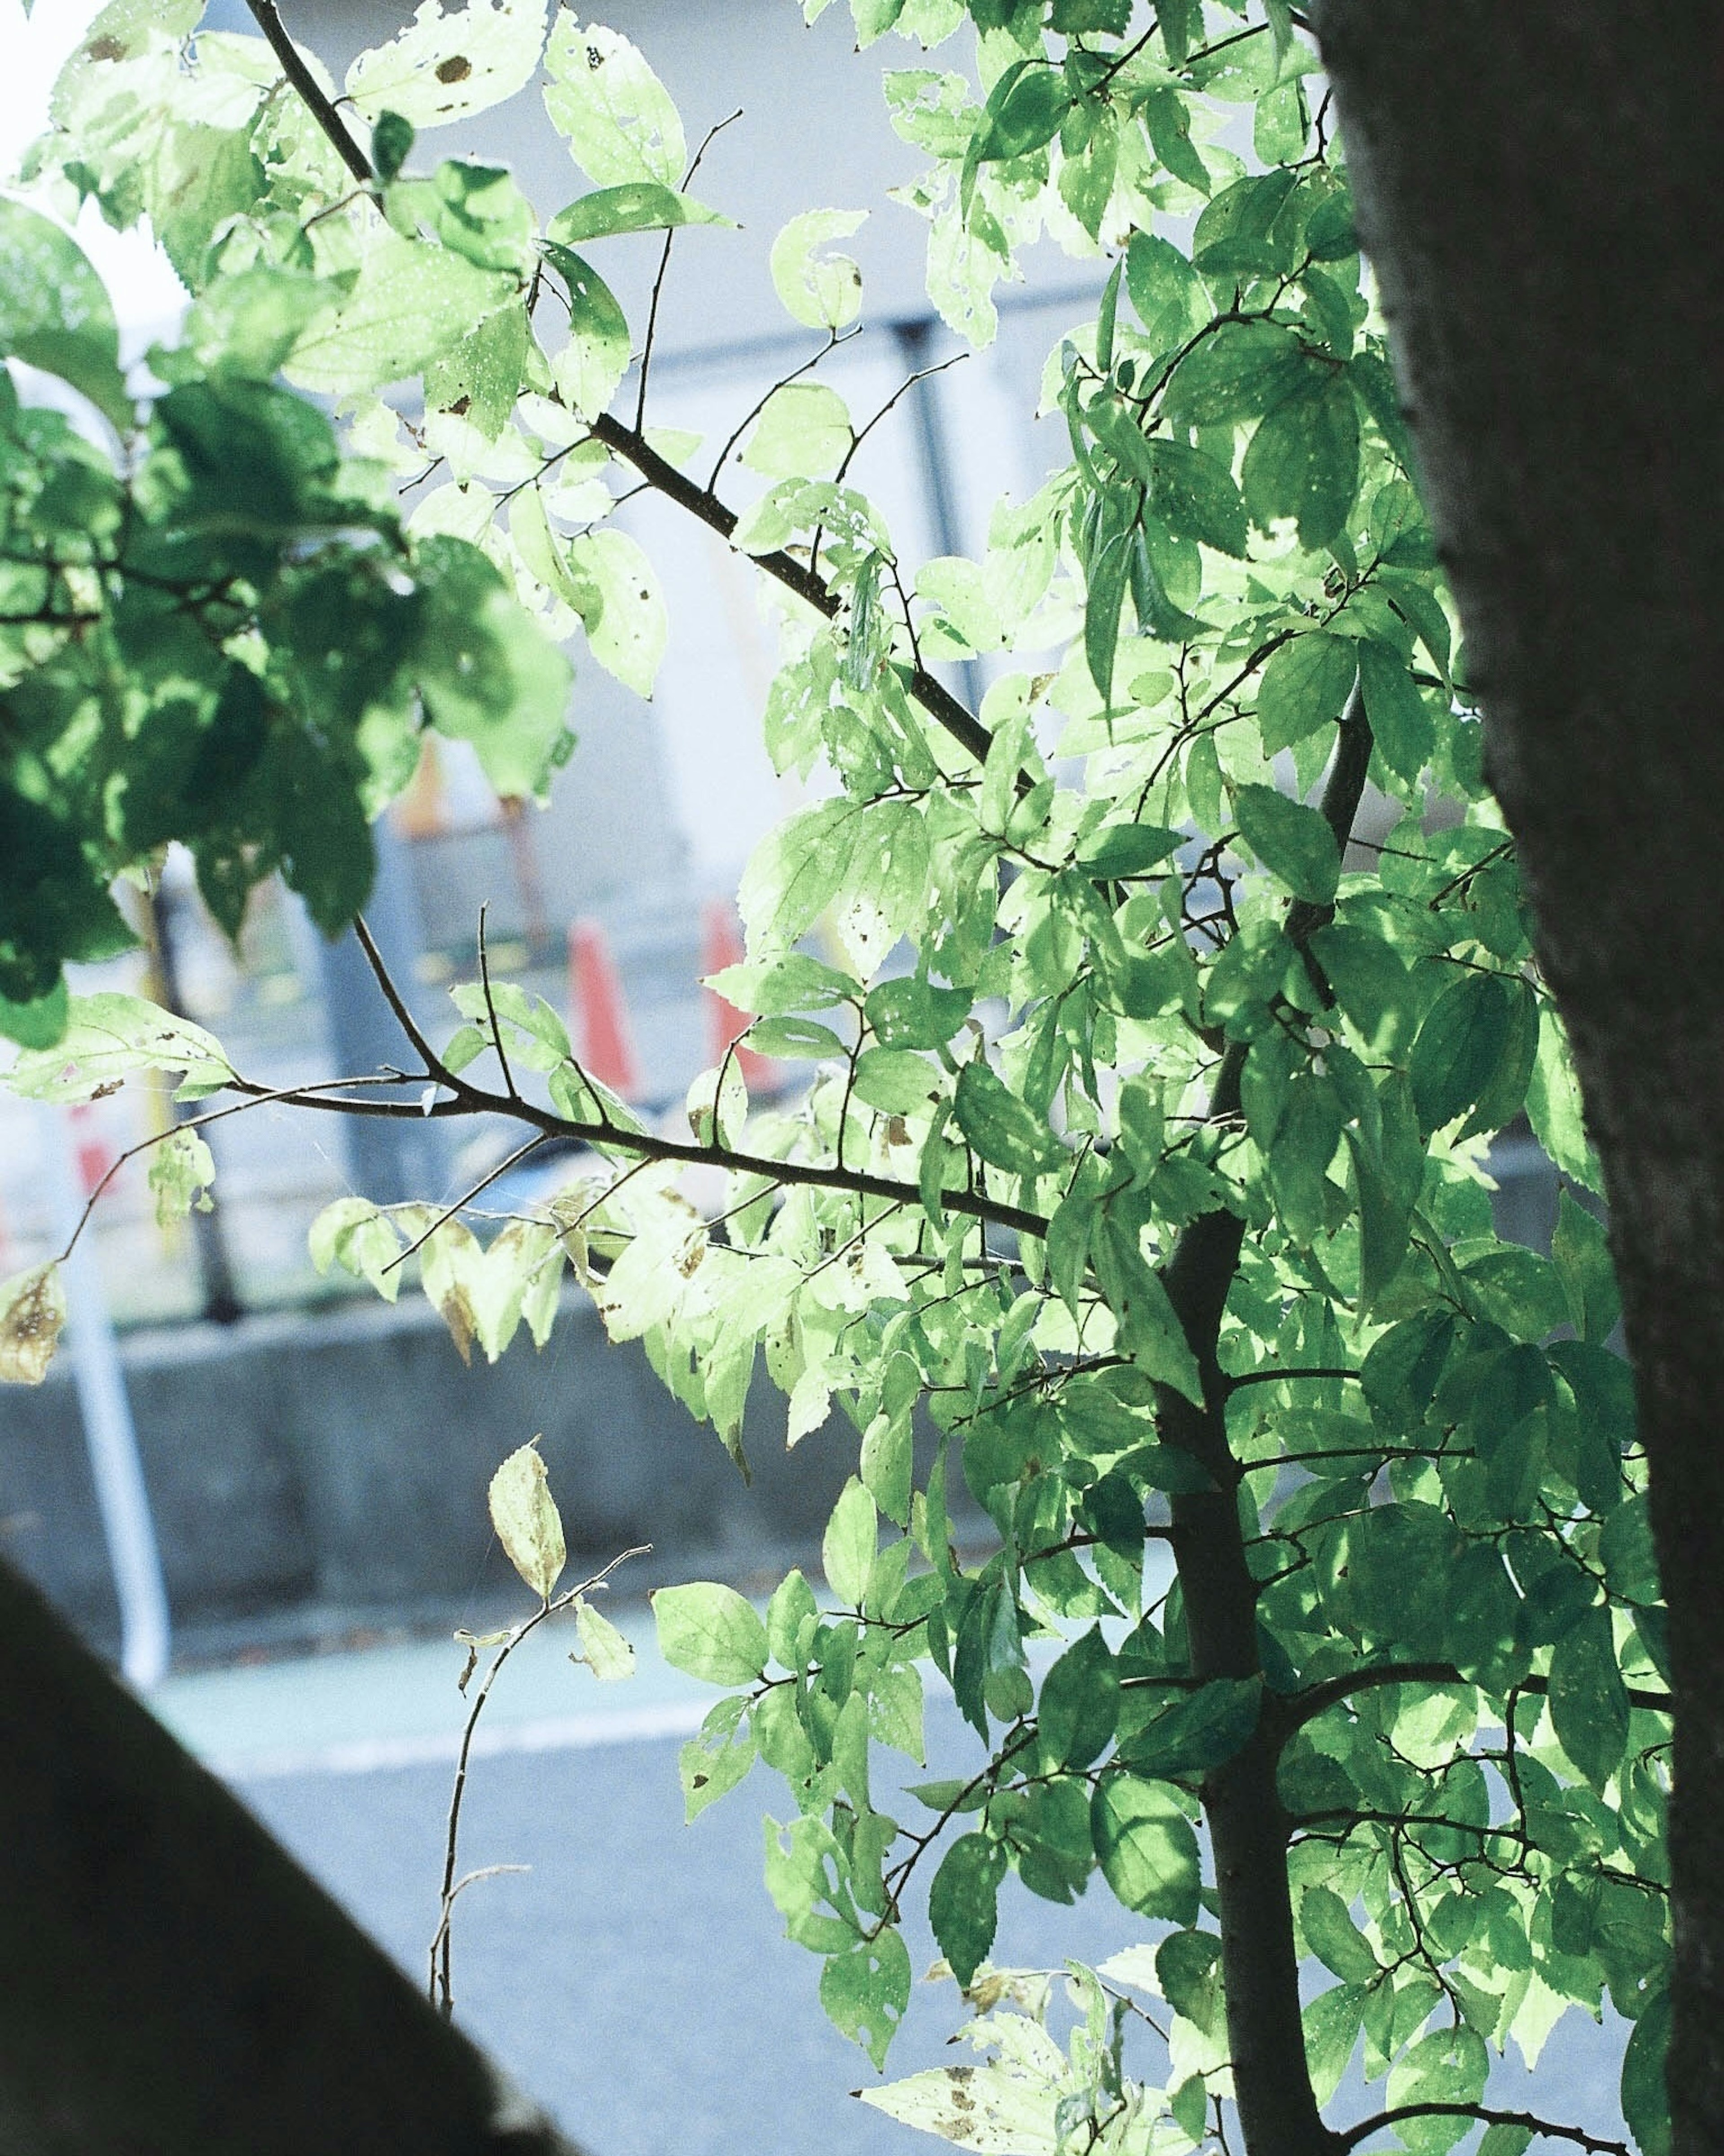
(1162, 1027)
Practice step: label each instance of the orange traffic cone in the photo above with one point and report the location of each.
(91, 1150)
(601, 1024)
(721, 945)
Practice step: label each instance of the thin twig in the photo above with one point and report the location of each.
(833, 339)
(491, 1010)
(435, 1066)
(484, 1183)
(439, 1987)
(716, 128)
(292, 1095)
(922, 374)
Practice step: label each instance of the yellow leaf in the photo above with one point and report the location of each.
(528, 1524)
(33, 1308)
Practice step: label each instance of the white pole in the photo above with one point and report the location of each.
(109, 1432)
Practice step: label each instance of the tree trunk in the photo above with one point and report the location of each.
(176, 1985)
(1537, 188)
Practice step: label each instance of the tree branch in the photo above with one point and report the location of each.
(1349, 2137)
(713, 132)
(809, 585)
(1304, 1706)
(630, 442)
(1247, 1824)
(265, 14)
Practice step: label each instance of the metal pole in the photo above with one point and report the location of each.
(109, 1433)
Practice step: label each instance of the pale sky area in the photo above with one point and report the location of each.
(147, 296)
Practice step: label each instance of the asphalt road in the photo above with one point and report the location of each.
(635, 1978)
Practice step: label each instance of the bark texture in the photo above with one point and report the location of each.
(1537, 188)
(176, 1985)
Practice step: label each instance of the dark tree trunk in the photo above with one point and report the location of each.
(1537, 188)
(175, 1985)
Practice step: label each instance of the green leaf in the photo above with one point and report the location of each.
(1241, 370)
(603, 1649)
(610, 108)
(1005, 1130)
(847, 1553)
(1645, 2096)
(616, 592)
(392, 141)
(1165, 290)
(109, 1036)
(712, 1763)
(445, 66)
(910, 1012)
(1167, 121)
(795, 1039)
(182, 1168)
(1331, 2036)
(1589, 1703)
(39, 1023)
(1199, 1731)
(528, 1524)
(1024, 110)
(1461, 1047)
(1128, 849)
(634, 205)
(1146, 1847)
(1149, 1327)
(1403, 729)
(596, 357)
(865, 1989)
(55, 312)
(1334, 1938)
(1080, 1703)
(804, 432)
(248, 325)
(1292, 841)
(1626, 1551)
(1187, 1967)
(711, 1632)
(1447, 2065)
(1195, 495)
(1303, 462)
(1581, 1252)
(1400, 1561)
(1304, 686)
(488, 673)
(1554, 1107)
(411, 303)
(823, 291)
(1108, 575)
(963, 1902)
(1237, 235)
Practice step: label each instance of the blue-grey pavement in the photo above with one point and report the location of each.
(635, 1978)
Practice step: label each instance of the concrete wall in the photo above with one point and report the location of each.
(338, 1464)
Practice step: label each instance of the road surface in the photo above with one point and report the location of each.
(635, 1978)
